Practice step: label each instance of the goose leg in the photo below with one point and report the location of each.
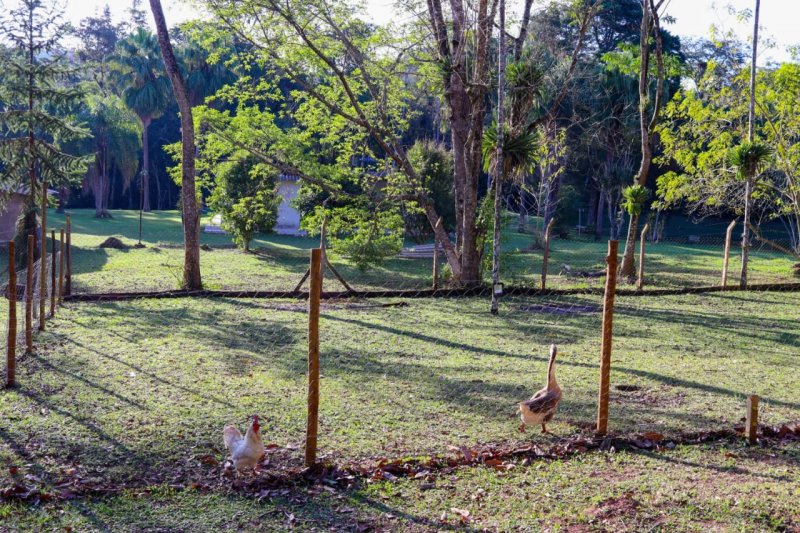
(544, 428)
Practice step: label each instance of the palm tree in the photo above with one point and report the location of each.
(144, 87)
(748, 158)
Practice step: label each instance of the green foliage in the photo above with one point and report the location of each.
(31, 33)
(634, 198)
(140, 76)
(705, 134)
(248, 215)
(434, 165)
(569, 200)
(243, 192)
(361, 232)
(519, 152)
(749, 158)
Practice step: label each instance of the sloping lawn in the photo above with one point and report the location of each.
(278, 262)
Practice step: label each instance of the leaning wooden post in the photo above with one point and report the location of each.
(53, 273)
(751, 425)
(605, 354)
(29, 295)
(640, 279)
(315, 292)
(546, 255)
(60, 271)
(11, 354)
(68, 274)
(727, 256)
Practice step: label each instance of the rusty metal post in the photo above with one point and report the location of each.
(61, 271)
(68, 274)
(605, 354)
(43, 261)
(29, 285)
(53, 274)
(11, 354)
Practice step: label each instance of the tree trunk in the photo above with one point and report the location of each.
(601, 204)
(145, 165)
(748, 191)
(650, 24)
(191, 218)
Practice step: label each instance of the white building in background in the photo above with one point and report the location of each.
(288, 217)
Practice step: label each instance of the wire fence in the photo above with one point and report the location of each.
(398, 374)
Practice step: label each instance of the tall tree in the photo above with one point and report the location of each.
(145, 89)
(754, 152)
(33, 110)
(115, 144)
(191, 213)
(648, 117)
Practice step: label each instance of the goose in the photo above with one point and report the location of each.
(542, 405)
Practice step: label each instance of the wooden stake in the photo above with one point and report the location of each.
(727, 255)
(436, 255)
(640, 279)
(605, 354)
(68, 274)
(751, 426)
(546, 255)
(43, 261)
(60, 272)
(315, 292)
(29, 286)
(53, 273)
(11, 355)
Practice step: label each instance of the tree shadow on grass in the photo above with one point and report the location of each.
(666, 379)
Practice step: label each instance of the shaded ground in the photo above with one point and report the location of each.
(137, 392)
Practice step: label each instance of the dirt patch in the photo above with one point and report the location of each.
(555, 309)
(115, 243)
(662, 396)
(623, 506)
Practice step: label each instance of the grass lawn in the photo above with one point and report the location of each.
(278, 262)
(136, 394)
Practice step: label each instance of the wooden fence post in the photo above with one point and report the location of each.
(436, 255)
(68, 278)
(53, 273)
(640, 279)
(29, 286)
(546, 255)
(43, 261)
(11, 355)
(60, 272)
(315, 292)
(605, 354)
(751, 425)
(727, 255)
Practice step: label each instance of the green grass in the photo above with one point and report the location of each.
(131, 394)
(279, 262)
(134, 392)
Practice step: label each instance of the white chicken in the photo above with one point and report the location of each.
(248, 450)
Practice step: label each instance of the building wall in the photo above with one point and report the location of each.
(9, 216)
(288, 217)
